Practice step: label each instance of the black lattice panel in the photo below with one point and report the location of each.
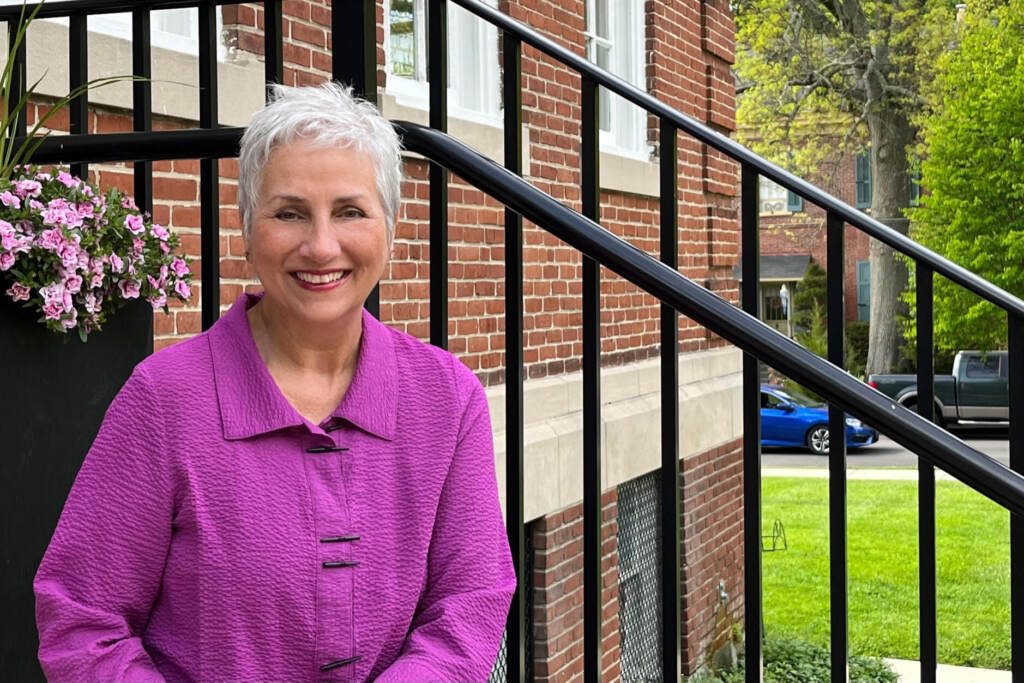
(640, 579)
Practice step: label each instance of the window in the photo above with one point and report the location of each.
(775, 302)
(987, 366)
(863, 291)
(473, 90)
(615, 42)
(864, 180)
(771, 401)
(777, 199)
(173, 29)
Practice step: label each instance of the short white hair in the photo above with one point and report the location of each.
(327, 115)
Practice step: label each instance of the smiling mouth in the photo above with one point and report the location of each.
(320, 278)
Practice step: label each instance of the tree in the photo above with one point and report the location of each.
(973, 210)
(823, 77)
(812, 293)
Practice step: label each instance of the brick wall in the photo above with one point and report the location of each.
(558, 594)
(712, 532)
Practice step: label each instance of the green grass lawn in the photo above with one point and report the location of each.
(973, 549)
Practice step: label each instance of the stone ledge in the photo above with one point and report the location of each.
(709, 408)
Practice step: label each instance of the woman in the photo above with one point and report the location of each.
(299, 493)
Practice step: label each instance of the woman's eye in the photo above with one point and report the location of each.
(287, 215)
(351, 212)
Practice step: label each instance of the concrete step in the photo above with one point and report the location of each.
(910, 672)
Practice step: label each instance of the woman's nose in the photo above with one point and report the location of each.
(321, 244)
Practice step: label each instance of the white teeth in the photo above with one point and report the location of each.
(319, 279)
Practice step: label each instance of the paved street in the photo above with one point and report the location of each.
(887, 453)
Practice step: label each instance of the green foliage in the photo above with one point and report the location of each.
(973, 212)
(810, 293)
(856, 347)
(791, 660)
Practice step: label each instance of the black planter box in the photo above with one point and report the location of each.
(53, 395)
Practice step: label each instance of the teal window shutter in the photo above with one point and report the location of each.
(864, 180)
(915, 190)
(863, 291)
(794, 202)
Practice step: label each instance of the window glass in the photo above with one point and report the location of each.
(983, 367)
(473, 84)
(773, 196)
(774, 304)
(615, 42)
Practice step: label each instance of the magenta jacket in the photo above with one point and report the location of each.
(214, 534)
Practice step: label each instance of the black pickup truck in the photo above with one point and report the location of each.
(975, 392)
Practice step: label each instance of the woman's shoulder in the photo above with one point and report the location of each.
(184, 363)
(429, 363)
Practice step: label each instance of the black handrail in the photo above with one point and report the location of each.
(986, 475)
(933, 444)
(739, 153)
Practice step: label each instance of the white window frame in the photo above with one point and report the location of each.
(627, 133)
(480, 69)
(119, 25)
(773, 198)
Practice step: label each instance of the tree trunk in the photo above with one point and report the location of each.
(891, 134)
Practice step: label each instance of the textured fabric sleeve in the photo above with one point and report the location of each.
(459, 621)
(102, 570)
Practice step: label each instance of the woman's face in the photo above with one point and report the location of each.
(319, 241)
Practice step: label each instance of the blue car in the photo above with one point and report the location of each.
(791, 419)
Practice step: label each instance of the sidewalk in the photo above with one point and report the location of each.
(894, 473)
(908, 671)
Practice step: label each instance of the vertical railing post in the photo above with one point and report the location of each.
(437, 75)
(671, 664)
(750, 294)
(591, 198)
(273, 42)
(926, 475)
(836, 311)
(209, 173)
(354, 63)
(17, 127)
(142, 101)
(514, 514)
(78, 75)
(354, 46)
(1015, 376)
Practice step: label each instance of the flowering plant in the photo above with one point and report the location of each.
(77, 256)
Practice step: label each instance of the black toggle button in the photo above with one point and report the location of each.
(339, 539)
(326, 449)
(340, 563)
(340, 662)
(334, 426)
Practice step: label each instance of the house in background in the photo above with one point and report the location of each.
(792, 235)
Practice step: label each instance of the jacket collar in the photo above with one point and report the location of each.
(251, 403)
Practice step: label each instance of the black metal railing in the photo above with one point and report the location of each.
(354, 62)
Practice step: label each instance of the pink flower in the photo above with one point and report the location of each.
(182, 289)
(19, 292)
(6, 261)
(91, 303)
(73, 283)
(52, 293)
(129, 289)
(134, 223)
(116, 263)
(70, 321)
(164, 248)
(10, 199)
(96, 266)
(69, 256)
(96, 281)
(161, 232)
(138, 245)
(36, 206)
(127, 203)
(179, 267)
(158, 300)
(68, 179)
(8, 240)
(28, 188)
(51, 240)
(53, 310)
